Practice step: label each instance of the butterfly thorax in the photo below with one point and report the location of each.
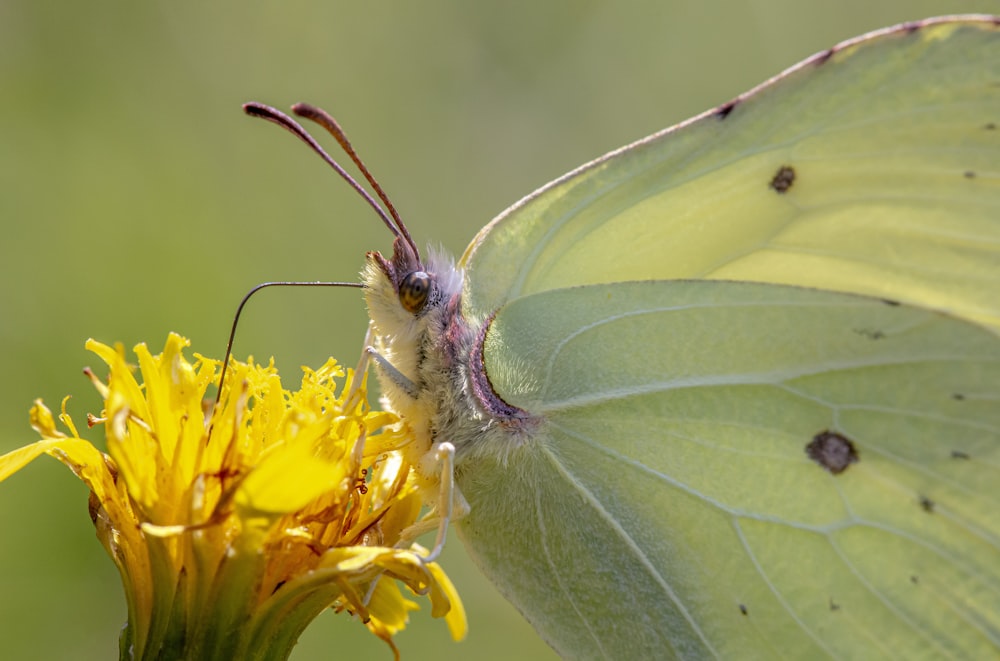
(439, 351)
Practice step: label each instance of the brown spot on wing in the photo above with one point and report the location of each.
(833, 451)
(783, 179)
(723, 111)
(823, 57)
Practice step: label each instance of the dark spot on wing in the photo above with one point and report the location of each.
(890, 302)
(927, 504)
(832, 451)
(743, 609)
(990, 126)
(914, 579)
(834, 606)
(726, 108)
(958, 397)
(870, 333)
(822, 58)
(958, 454)
(783, 178)
(969, 174)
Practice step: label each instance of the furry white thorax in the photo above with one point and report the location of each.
(433, 350)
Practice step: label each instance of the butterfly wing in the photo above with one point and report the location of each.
(669, 506)
(873, 167)
(679, 498)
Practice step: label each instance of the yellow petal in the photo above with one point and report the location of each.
(389, 609)
(287, 481)
(454, 616)
(86, 461)
(14, 461)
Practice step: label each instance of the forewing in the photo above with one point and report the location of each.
(871, 168)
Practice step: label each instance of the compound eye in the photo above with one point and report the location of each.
(414, 290)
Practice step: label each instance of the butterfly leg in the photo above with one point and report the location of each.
(450, 499)
(445, 454)
(450, 506)
(387, 369)
(390, 372)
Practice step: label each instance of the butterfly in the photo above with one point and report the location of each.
(734, 390)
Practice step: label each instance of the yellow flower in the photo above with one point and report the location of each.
(231, 533)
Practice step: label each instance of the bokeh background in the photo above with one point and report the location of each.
(136, 199)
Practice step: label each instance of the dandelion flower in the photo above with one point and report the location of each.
(233, 526)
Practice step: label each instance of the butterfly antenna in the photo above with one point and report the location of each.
(275, 116)
(326, 120)
(239, 311)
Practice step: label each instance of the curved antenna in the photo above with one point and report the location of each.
(275, 116)
(326, 120)
(239, 311)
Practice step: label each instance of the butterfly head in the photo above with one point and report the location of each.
(406, 290)
(407, 275)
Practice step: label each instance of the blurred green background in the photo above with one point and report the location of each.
(136, 199)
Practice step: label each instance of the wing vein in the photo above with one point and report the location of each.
(635, 549)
